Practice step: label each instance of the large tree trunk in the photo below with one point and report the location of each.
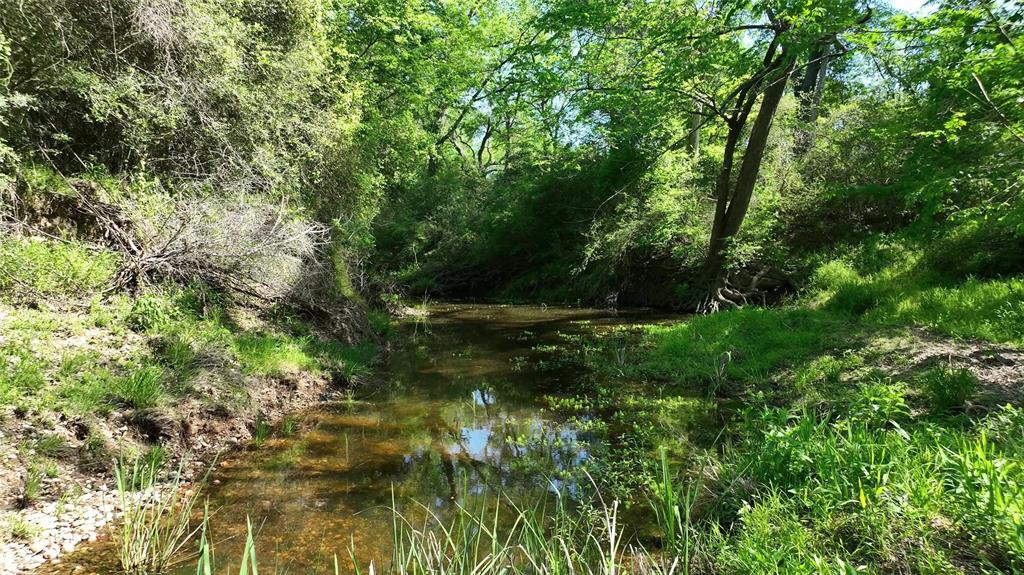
(734, 200)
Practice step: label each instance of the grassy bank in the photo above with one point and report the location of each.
(873, 422)
(174, 367)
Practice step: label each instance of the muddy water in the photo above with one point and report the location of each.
(457, 413)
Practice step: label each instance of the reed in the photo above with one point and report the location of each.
(156, 523)
(673, 511)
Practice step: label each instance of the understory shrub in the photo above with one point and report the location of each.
(947, 388)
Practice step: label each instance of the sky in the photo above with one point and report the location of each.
(910, 6)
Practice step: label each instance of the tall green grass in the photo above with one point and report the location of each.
(140, 389)
(673, 511)
(156, 524)
(33, 268)
(992, 484)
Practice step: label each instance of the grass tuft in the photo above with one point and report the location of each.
(142, 388)
(947, 388)
(156, 524)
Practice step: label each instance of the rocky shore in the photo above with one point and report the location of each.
(54, 529)
(77, 504)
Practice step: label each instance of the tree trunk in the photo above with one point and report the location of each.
(731, 208)
(693, 138)
(805, 88)
(808, 93)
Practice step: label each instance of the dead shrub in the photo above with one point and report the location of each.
(243, 246)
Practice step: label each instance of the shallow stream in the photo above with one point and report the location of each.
(457, 412)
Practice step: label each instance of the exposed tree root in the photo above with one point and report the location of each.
(719, 297)
(739, 289)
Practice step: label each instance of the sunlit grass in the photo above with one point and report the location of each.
(140, 352)
(900, 294)
(990, 310)
(35, 269)
(272, 354)
(743, 344)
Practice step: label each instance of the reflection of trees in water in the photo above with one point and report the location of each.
(476, 446)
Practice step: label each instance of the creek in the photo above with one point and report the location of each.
(460, 411)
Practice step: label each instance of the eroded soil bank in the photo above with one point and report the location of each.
(56, 461)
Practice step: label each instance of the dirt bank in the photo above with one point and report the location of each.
(76, 496)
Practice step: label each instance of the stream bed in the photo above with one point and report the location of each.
(458, 411)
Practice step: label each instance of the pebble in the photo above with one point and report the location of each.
(60, 528)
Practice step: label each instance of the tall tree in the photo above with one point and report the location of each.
(793, 33)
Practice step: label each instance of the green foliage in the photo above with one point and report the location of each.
(380, 321)
(261, 432)
(992, 482)
(824, 372)
(156, 521)
(989, 310)
(520, 149)
(673, 509)
(31, 486)
(772, 539)
(744, 344)
(894, 285)
(17, 528)
(289, 426)
(151, 349)
(22, 375)
(50, 446)
(142, 388)
(38, 270)
(272, 354)
(154, 458)
(825, 466)
(947, 388)
(149, 312)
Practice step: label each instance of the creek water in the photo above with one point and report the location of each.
(457, 412)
